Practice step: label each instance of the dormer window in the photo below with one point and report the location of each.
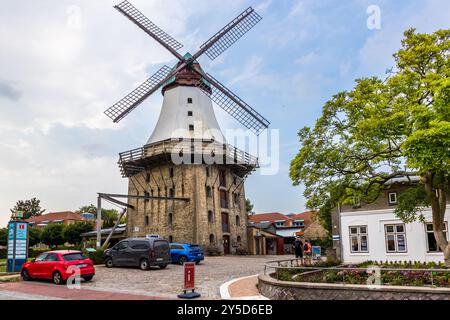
(392, 197)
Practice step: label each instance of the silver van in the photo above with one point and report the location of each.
(138, 252)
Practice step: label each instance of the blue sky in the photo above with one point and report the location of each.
(62, 63)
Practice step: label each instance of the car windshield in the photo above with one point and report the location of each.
(194, 246)
(73, 256)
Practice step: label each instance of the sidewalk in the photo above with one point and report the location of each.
(40, 290)
(241, 289)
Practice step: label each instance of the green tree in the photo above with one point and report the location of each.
(3, 236)
(34, 236)
(384, 129)
(72, 233)
(109, 216)
(29, 208)
(52, 235)
(249, 207)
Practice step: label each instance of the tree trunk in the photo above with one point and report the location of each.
(438, 201)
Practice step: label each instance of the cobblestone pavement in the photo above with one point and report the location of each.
(210, 274)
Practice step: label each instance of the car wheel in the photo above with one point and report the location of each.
(25, 275)
(163, 266)
(182, 260)
(144, 265)
(57, 278)
(109, 263)
(88, 278)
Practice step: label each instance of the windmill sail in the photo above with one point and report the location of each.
(120, 109)
(234, 105)
(128, 10)
(231, 33)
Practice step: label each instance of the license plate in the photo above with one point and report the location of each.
(159, 259)
(82, 265)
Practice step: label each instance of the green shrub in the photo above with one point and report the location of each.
(33, 253)
(96, 256)
(3, 253)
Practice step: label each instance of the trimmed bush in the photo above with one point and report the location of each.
(95, 256)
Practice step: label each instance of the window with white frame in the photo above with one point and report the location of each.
(431, 240)
(279, 223)
(392, 198)
(359, 241)
(395, 238)
(299, 223)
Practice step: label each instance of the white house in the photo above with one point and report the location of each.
(380, 235)
(373, 232)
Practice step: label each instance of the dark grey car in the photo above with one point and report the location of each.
(139, 252)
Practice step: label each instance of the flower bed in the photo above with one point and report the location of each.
(411, 274)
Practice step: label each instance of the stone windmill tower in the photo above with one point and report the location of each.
(191, 181)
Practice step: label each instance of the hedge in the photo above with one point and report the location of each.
(96, 256)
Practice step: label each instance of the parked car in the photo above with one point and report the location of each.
(139, 252)
(58, 266)
(186, 252)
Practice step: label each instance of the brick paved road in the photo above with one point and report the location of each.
(133, 283)
(213, 272)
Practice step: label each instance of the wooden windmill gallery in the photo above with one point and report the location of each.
(183, 186)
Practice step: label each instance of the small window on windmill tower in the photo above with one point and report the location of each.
(147, 221)
(190, 113)
(172, 192)
(147, 177)
(191, 127)
(171, 172)
(147, 195)
(189, 100)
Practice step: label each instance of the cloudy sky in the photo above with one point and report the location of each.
(63, 62)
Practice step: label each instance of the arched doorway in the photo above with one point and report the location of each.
(226, 244)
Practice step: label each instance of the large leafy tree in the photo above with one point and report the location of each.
(3, 236)
(109, 216)
(29, 208)
(72, 233)
(34, 236)
(382, 129)
(249, 207)
(52, 235)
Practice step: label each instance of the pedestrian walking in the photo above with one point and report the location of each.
(298, 249)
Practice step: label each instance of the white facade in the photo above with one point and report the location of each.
(186, 113)
(378, 235)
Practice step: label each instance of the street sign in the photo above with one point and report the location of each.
(189, 282)
(19, 214)
(336, 237)
(189, 275)
(17, 245)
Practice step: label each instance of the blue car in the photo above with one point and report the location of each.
(186, 252)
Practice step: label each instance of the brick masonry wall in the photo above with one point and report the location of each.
(283, 290)
(189, 219)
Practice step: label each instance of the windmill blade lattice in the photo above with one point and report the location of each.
(120, 109)
(232, 32)
(128, 10)
(234, 105)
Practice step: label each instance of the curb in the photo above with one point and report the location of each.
(225, 294)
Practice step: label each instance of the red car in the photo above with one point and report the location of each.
(58, 266)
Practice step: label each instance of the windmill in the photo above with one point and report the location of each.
(193, 202)
(214, 47)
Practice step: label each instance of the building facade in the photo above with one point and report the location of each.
(373, 232)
